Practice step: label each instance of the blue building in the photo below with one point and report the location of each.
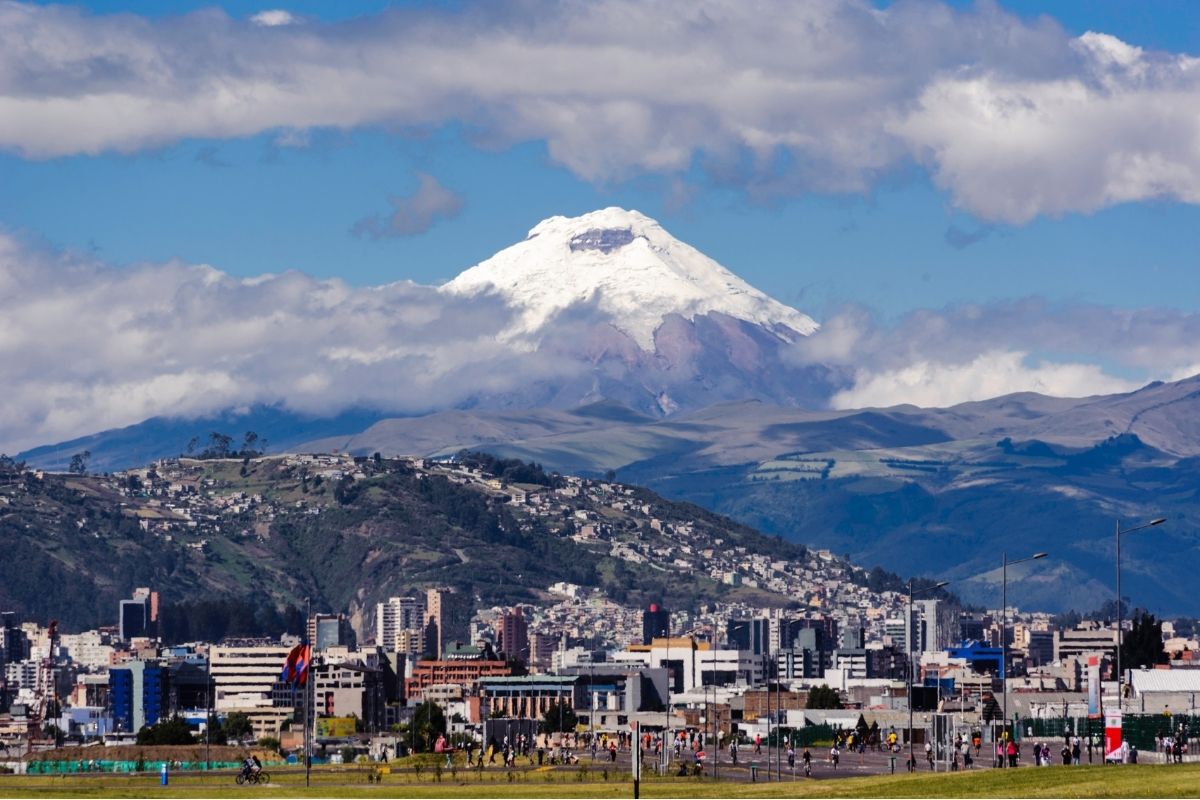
(139, 693)
(979, 656)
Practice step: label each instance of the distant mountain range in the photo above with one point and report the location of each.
(666, 368)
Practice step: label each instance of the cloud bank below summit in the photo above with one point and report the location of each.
(86, 346)
(777, 99)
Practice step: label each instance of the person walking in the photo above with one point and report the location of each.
(834, 755)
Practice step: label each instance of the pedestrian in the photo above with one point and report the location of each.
(1075, 751)
(1132, 754)
(733, 751)
(1066, 756)
(757, 743)
(791, 756)
(834, 754)
(806, 757)
(1011, 750)
(929, 754)
(612, 752)
(966, 753)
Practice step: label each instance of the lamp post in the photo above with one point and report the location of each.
(1120, 614)
(908, 637)
(716, 743)
(1004, 631)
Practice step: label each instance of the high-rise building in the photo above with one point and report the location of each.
(430, 640)
(749, 634)
(513, 634)
(138, 616)
(433, 613)
(14, 644)
(394, 616)
(139, 692)
(329, 630)
(542, 647)
(243, 679)
(656, 623)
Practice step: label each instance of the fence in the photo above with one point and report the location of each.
(1140, 730)
(101, 765)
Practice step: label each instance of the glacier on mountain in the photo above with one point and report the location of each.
(627, 268)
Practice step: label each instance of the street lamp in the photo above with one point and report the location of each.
(908, 637)
(1120, 615)
(1004, 631)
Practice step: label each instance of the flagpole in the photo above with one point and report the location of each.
(307, 705)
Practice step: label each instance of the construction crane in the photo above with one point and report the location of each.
(45, 691)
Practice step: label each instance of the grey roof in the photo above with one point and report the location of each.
(1165, 680)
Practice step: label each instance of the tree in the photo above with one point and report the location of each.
(79, 462)
(428, 723)
(167, 731)
(1142, 646)
(559, 717)
(218, 446)
(237, 725)
(823, 697)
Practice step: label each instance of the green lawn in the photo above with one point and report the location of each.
(1096, 781)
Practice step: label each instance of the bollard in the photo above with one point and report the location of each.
(892, 763)
(753, 773)
(162, 773)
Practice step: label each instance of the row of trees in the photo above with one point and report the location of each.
(220, 445)
(236, 726)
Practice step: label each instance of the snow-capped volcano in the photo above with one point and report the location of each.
(625, 266)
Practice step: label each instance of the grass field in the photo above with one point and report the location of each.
(1124, 781)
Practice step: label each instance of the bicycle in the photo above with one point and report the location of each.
(253, 777)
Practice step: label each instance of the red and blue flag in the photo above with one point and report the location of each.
(295, 669)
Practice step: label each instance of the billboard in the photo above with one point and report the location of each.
(1113, 750)
(336, 727)
(1093, 686)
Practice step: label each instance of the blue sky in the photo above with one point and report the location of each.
(247, 207)
(912, 159)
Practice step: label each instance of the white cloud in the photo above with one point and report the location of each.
(971, 352)
(86, 347)
(778, 98)
(273, 18)
(991, 374)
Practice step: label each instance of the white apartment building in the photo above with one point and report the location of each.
(88, 649)
(395, 616)
(243, 678)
